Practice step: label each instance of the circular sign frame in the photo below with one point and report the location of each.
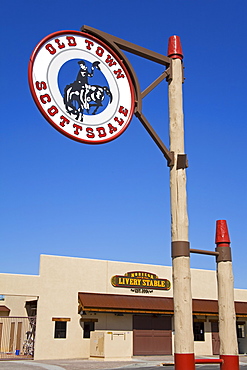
(81, 87)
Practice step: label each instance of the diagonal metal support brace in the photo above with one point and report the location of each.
(155, 83)
(167, 154)
(118, 45)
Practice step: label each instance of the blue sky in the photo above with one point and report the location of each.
(111, 201)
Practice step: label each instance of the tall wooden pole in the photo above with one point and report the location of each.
(184, 339)
(227, 316)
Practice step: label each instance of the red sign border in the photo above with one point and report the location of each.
(37, 102)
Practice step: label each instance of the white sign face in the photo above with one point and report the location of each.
(81, 87)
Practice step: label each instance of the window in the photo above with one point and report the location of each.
(2, 297)
(198, 328)
(88, 327)
(240, 330)
(60, 329)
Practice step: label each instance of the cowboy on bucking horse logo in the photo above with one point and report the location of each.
(80, 95)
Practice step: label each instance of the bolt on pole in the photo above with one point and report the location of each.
(184, 339)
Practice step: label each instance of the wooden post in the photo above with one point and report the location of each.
(184, 338)
(227, 316)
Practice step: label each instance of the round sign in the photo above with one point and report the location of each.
(81, 87)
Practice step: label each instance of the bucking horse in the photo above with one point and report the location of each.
(78, 98)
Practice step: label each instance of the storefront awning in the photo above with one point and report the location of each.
(124, 303)
(241, 309)
(206, 306)
(4, 309)
(120, 303)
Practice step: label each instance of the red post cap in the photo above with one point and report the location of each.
(222, 235)
(175, 48)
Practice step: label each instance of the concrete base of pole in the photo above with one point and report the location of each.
(184, 361)
(229, 362)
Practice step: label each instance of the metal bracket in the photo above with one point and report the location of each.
(167, 154)
(116, 44)
(180, 248)
(164, 75)
(224, 254)
(221, 253)
(200, 251)
(182, 161)
(129, 46)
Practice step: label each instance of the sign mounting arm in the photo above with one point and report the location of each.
(118, 44)
(167, 154)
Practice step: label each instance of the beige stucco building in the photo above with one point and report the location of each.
(95, 308)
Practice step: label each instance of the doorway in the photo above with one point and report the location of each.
(152, 335)
(215, 337)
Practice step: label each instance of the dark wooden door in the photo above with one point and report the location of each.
(215, 338)
(11, 337)
(18, 339)
(152, 335)
(1, 331)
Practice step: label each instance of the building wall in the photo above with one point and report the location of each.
(16, 304)
(203, 284)
(204, 347)
(14, 324)
(14, 284)
(112, 322)
(57, 287)
(61, 280)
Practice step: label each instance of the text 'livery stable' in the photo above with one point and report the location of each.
(81, 87)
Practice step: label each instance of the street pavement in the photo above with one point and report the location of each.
(143, 362)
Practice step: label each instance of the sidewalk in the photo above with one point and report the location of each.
(137, 361)
(86, 364)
